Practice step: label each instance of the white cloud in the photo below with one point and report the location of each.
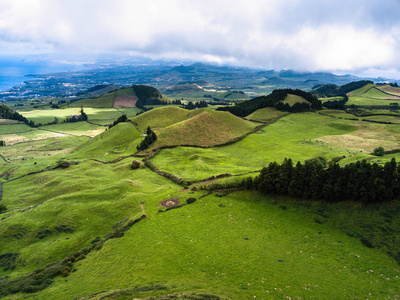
(307, 35)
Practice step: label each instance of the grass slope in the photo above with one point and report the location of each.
(120, 140)
(389, 89)
(266, 114)
(65, 197)
(240, 246)
(203, 127)
(293, 99)
(293, 136)
(160, 117)
(361, 91)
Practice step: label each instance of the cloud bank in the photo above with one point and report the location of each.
(343, 36)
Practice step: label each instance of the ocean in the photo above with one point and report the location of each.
(13, 70)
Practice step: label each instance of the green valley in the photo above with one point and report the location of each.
(85, 215)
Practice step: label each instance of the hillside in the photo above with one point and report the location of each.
(265, 114)
(276, 99)
(160, 117)
(118, 141)
(136, 96)
(203, 127)
(83, 215)
(388, 89)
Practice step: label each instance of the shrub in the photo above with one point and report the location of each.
(191, 200)
(3, 208)
(44, 233)
(135, 165)
(379, 151)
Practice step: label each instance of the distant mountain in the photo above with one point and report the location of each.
(253, 82)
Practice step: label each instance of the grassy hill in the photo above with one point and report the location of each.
(203, 127)
(119, 140)
(293, 99)
(97, 229)
(388, 89)
(160, 117)
(108, 100)
(265, 114)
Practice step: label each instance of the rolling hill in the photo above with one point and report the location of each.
(204, 127)
(124, 98)
(85, 217)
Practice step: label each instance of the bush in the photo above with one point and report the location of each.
(3, 208)
(135, 165)
(379, 151)
(191, 200)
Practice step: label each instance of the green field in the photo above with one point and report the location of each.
(265, 114)
(70, 186)
(257, 150)
(362, 101)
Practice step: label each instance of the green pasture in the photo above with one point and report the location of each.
(203, 127)
(103, 101)
(89, 198)
(341, 114)
(160, 117)
(94, 114)
(237, 245)
(362, 90)
(383, 118)
(376, 93)
(120, 140)
(75, 128)
(14, 129)
(36, 155)
(266, 114)
(125, 92)
(363, 101)
(240, 246)
(293, 136)
(293, 99)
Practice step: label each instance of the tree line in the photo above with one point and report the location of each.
(150, 138)
(337, 104)
(332, 90)
(275, 100)
(361, 181)
(191, 105)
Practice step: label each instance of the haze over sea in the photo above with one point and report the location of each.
(13, 70)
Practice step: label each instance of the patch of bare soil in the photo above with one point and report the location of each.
(125, 101)
(170, 202)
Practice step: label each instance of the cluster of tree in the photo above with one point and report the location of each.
(150, 138)
(337, 104)
(332, 90)
(361, 181)
(274, 100)
(77, 118)
(147, 95)
(195, 105)
(176, 102)
(8, 113)
(122, 118)
(2, 143)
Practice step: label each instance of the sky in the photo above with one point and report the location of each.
(360, 37)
